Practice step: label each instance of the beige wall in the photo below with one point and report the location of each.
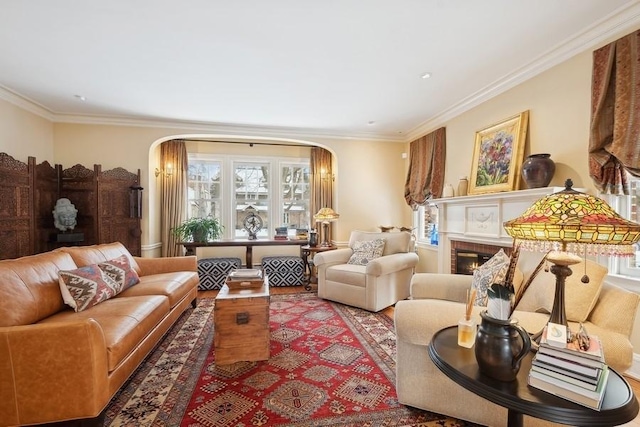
(369, 175)
(23, 134)
(558, 101)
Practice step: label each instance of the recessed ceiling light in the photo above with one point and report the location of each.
(425, 75)
(80, 97)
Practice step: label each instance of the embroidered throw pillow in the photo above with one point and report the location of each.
(120, 271)
(86, 286)
(366, 250)
(492, 271)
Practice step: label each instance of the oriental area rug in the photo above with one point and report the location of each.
(330, 365)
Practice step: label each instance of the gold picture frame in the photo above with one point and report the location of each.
(498, 154)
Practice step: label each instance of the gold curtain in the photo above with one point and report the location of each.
(425, 178)
(321, 168)
(173, 194)
(614, 144)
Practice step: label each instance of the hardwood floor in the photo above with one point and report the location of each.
(389, 312)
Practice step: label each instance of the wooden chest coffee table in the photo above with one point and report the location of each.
(241, 325)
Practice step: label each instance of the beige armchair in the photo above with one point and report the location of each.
(437, 301)
(379, 284)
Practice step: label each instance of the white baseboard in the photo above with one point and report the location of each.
(634, 370)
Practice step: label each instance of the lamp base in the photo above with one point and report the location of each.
(325, 235)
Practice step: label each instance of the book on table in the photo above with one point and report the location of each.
(572, 351)
(572, 366)
(566, 390)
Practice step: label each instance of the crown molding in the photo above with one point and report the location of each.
(240, 130)
(624, 19)
(26, 103)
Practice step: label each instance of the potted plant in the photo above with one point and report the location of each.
(199, 229)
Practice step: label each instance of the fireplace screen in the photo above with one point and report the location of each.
(467, 261)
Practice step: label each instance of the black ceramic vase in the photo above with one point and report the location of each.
(537, 170)
(500, 347)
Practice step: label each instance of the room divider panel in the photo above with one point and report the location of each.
(28, 194)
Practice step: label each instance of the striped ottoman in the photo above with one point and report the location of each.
(213, 272)
(284, 270)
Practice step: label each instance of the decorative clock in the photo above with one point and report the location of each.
(252, 223)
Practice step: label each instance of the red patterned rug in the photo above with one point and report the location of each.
(330, 365)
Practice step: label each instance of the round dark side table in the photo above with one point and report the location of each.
(305, 251)
(458, 363)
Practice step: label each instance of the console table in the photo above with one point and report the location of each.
(249, 244)
(458, 363)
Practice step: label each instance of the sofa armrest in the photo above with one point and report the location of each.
(327, 258)
(46, 367)
(149, 266)
(391, 263)
(450, 287)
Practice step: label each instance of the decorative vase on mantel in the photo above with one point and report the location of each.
(537, 170)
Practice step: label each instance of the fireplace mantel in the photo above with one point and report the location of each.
(479, 219)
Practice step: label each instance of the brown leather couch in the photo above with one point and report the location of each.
(59, 365)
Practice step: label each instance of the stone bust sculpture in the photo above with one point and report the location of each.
(64, 215)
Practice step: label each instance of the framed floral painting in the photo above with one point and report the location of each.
(498, 154)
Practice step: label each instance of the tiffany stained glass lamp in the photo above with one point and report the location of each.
(568, 223)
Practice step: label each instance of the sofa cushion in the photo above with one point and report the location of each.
(492, 271)
(174, 286)
(29, 289)
(86, 255)
(394, 242)
(120, 271)
(86, 286)
(126, 322)
(365, 251)
(580, 298)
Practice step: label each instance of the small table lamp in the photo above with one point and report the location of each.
(567, 223)
(326, 215)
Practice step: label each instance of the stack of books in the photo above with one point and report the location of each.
(281, 233)
(566, 371)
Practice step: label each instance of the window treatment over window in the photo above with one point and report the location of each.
(173, 194)
(614, 144)
(321, 180)
(425, 178)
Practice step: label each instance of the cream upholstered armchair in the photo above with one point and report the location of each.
(368, 282)
(437, 301)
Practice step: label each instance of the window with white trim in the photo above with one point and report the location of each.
(278, 188)
(426, 223)
(629, 208)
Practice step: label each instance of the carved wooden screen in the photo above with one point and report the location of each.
(17, 237)
(80, 186)
(114, 206)
(45, 195)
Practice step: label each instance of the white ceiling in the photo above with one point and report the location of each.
(322, 67)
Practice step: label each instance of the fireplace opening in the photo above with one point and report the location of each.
(467, 261)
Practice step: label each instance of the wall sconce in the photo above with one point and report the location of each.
(168, 171)
(326, 176)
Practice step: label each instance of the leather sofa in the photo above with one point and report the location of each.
(57, 364)
(379, 284)
(437, 301)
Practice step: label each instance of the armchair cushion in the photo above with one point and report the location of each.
(365, 251)
(580, 298)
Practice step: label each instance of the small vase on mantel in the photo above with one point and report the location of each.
(537, 170)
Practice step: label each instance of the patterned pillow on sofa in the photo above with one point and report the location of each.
(365, 251)
(120, 271)
(86, 286)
